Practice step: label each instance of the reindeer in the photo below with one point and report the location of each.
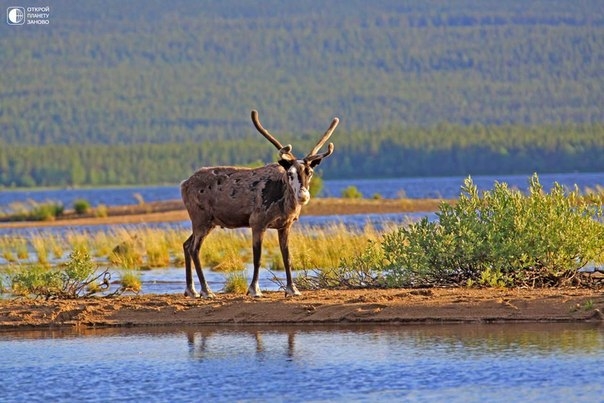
(258, 198)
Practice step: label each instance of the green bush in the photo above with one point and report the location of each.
(351, 192)
(316, 185)
(77, 278)
(46, 211)
(499, 238)
(81, 206)
(37, 280)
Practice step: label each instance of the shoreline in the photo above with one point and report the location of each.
(321, 307)
(173, 211)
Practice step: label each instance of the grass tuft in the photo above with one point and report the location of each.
(236, 283)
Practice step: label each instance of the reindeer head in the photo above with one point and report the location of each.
(299, 172)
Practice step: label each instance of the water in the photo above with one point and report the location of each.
(172, 280)
(456, 363)
(441, 187)
(449, 187)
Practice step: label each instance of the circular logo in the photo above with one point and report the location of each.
(16, 15)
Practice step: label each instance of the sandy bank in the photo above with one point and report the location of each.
(450, 305)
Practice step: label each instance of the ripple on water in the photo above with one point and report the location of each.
(554, 362)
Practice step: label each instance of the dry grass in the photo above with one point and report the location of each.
(236, 283)
(14, 249)
(41, 245)
(222, 250)
(225, 250)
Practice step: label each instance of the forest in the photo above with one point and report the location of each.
(140, 93)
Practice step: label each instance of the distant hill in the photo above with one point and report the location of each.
(181, 74)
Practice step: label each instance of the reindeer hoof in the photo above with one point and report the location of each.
(191, 292)
(292, 291)
(208, 294)
(254, 291)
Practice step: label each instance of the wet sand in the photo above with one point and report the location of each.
(393, 306)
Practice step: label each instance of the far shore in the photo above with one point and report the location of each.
(173, 211)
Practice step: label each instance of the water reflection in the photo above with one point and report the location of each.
(474, 339)
(478, 362)
(211, 344)
(481, 338)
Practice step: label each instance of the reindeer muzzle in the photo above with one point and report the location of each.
(304, 196)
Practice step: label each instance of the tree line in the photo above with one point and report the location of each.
(395, 152)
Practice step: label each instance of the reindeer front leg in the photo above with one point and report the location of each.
(190, 291)
(191, 248)
(290, 287)
(257, 237)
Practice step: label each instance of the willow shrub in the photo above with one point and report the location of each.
(78, 277)
(500, 237)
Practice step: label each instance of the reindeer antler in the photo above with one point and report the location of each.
(312, 155)
(265, 132)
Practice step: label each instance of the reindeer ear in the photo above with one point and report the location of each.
(316, 162)
(285, 153)
(287, 164)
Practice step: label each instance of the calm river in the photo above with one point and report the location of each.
(453, 363)
(414, 188)
(441, 187)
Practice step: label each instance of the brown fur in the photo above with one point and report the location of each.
(232, 197)
(260, 198)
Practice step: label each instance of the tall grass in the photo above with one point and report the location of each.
(155, 248)
(128, 252)
(41, 245)
(340, 257)
(131, 281)
(223, 250)
(321, 254)
(324, 248)
(236, 283)
(78, 240)
(14, 249)
(227, 250)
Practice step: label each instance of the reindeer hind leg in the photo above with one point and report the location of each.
(198, 237)
(190, 291)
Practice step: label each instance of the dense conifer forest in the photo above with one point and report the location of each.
(143, 92)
